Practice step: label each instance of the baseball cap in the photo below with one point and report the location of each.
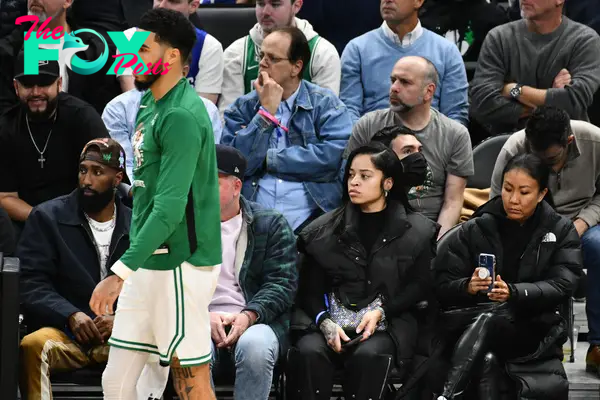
(111, 155)
(231, 161)
(48, 72)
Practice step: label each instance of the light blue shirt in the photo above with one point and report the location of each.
(368, 60)
(291, 199)
(120, 115)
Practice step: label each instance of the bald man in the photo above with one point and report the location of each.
(446, 143)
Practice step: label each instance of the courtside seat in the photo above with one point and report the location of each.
(394, 383)
(226, 23)
(85, 383)
(399, 382)
(89, 376)
(9, 326)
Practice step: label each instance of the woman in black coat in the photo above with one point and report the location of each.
(370, 259)
(509, 313)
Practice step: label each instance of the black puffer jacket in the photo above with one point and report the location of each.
(548, 273)
(399, 268)
(10, 10)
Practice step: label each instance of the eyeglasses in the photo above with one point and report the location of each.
(270, 59)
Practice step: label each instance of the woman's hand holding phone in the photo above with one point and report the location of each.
(353, 342)
(477, 284)
(500, 292)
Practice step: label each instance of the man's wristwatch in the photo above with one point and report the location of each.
(515, 92)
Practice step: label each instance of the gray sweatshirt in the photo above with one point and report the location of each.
(576, 188)
(510, 53)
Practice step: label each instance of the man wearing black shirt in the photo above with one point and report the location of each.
(41, 139)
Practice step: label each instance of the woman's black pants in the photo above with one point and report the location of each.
(312, 365)
(474, 356)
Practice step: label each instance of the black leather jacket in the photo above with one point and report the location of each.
(332, 259)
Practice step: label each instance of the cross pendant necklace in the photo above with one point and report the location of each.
(42, 159)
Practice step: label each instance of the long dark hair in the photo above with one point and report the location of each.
(535, 167)
(386, 161)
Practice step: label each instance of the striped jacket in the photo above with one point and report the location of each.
(268, 276)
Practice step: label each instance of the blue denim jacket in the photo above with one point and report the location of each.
(319, 129)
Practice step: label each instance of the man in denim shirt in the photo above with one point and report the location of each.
(292, 132)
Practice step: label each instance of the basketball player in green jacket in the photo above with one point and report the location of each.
(165, 281)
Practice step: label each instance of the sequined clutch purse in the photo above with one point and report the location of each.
(350, 319)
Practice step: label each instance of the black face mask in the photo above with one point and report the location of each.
(414, 170)
(97, 202)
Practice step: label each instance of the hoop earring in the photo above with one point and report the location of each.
(386, 192)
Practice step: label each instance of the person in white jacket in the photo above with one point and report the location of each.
(241, 57)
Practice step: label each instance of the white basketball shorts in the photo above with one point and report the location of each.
(166, 313)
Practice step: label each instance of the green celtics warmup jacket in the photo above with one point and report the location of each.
(176, 213)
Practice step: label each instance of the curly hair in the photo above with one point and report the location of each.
(548, 126)
(171, 28)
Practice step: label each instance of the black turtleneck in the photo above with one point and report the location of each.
(514, 238)
(370, 226)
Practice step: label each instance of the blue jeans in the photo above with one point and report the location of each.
(255, 355)
(590, 244)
